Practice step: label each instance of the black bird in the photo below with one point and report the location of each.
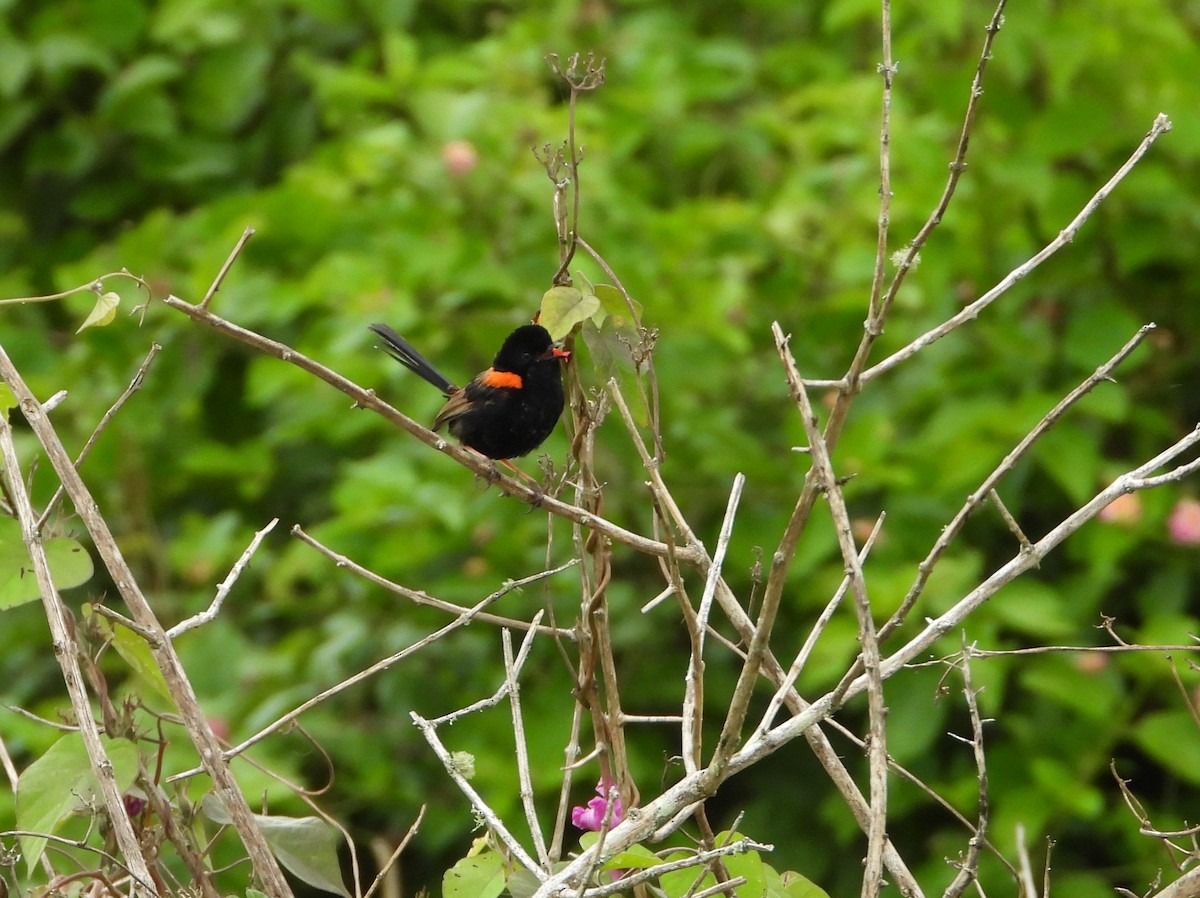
(507, 410)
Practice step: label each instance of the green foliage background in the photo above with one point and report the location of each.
(731, 180)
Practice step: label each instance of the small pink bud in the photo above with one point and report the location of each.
(459, 157)
(1184, 523)
(1124, 511)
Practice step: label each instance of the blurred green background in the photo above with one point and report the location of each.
(382, 152)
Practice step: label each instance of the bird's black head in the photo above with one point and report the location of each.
(524, 347)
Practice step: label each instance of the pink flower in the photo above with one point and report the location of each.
(1123, 511)
(459, 157)
(591, 815)
(1184, 523)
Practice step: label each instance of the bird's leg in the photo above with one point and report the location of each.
(538, 493)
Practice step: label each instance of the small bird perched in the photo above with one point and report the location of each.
(507, 410)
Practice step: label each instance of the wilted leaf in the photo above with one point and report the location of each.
(305, 846)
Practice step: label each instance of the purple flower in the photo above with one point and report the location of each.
(591, 816)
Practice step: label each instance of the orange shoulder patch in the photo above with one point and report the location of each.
(494, 378)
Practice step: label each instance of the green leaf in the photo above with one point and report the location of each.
(748, 864)
(1164, 735)
(103, 312)
(791, 884)
(70, 565)
(135, 650)
(1071, 456)
(61, 782)
(481, 876)
(634, 856)
(522, 883)
(564, 307)
(16, 65)
(1033, 607)
(678, 882)
(616, 306)
(306, 846)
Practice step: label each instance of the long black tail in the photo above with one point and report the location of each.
(406, 354)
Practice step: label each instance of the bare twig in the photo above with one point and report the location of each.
(6, 762)
(233, 254)
(1161, 125)
(518, 721)
(952, 530)
(223, 590)
(280, 722)
(870, 658)
(651, 873)
(968, 870)
(958, 165)
(387, 865)
(495, 824)
(887, 70)
(1009, 520)
(62, 628)
(1028, 887)
(418, 597)
(810, 642)
(693, 701)
(96, 286)
(134, 385)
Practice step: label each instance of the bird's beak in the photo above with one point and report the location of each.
(559, 353)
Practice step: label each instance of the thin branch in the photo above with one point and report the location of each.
(391, 660)
(494, 823)
(948, 533)
(66, 647)
(96, 286)
(887, 70)
(1161, 125)
(219, 279)
(651, 873)
(968, 870)
(1009, 520)
(224, 588)
(523, 771)
(419, 597)
(139, 378)
(810, 642)
(474, 462)
(501, 692)
(387, 865)
(693, 700)
(877, 709)
(958, 165)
